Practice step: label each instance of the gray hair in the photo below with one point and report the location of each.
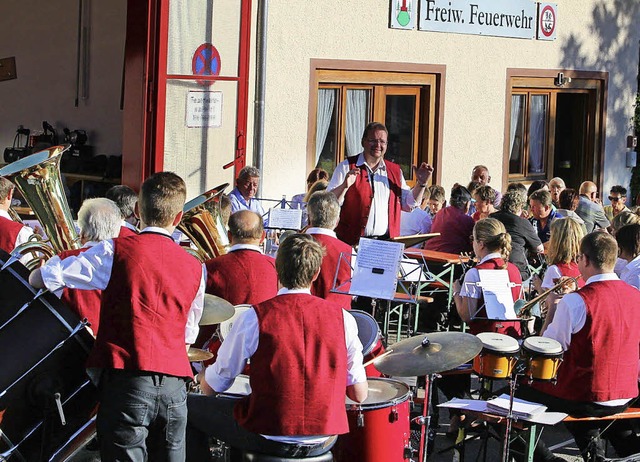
(512, 202)
(99, 219)
(248, 172)
(323, 210)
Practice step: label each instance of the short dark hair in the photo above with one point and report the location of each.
(124, 197)
(543, 196)
(373, 127)
(619, 189)
(567, 198)
(536, 186)
(601, 249)
(162, 197)
(245, 225)
(460, 196)
(628, 238)
(298, 260)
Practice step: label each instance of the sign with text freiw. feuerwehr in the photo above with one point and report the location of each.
(501, 18)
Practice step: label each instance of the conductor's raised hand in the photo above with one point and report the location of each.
(423, 172)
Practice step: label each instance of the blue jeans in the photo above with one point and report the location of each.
(142, 416)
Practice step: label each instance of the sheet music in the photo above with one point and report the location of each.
(496, 289)
(280, 218)
(376, 269)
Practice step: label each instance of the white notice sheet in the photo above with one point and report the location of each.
(376, 270)
(498, 299)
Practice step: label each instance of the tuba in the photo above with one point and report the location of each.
(38, 179)
(202, 223)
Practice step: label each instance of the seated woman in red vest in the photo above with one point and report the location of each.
(491, 245)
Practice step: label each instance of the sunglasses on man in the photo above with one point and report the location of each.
(616, 199)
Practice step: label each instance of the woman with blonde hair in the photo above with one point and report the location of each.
(492, 246)
(562, 252)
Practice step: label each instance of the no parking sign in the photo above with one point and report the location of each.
(206, 61)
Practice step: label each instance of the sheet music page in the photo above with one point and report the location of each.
(376, 270)
(280, 218)
(496, 288)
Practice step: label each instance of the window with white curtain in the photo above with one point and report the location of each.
(528, 135)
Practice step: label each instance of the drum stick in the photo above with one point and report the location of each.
(370, 362)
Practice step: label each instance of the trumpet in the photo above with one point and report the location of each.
(523, 307)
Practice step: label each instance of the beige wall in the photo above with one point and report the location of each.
(43, 36)
(474, 103)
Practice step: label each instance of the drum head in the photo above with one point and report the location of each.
(499, 342)
(240, 386)
(226, 326)
(382, 392)
(368, 330)
(543, 345)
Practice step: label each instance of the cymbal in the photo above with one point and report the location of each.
(195, 355)
(429, 354)
(216, 310)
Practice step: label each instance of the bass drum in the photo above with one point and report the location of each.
(43, 380)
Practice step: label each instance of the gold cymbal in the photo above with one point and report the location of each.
(429, 354)
(216, 310)
(195, 355)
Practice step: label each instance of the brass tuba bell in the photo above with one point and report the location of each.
(38, 179)
(202, 223)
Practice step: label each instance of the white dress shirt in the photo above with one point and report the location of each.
(417, 221)
(92, 270)
(631, 273)
(378, 222)
(23, 236)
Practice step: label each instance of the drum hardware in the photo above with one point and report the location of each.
(215, 310)
(81, 325)
(196, 355)
(523, 307)
(202, 223)
(24, 307)
(371, 339)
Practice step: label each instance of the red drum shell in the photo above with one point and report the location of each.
(386, 430)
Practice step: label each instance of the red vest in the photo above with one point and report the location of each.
(507, 326)
(571, 270)
(602, 361)
(145, 306)
(124, 232)
(354, 213)
(86, 303)
(322, 286)
(9, 231)
(299, 371)
(240, 277)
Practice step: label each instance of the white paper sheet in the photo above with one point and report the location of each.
(376, 270)
(280, 218)
(496, 289)
(476, 405)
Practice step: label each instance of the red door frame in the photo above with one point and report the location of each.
(145, 89)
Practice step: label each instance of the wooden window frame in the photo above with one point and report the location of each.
(428, 139)
(593, 83)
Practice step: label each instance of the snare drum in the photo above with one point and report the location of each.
(498, 356)
(371, 339)
(379, 428)
(542, 358)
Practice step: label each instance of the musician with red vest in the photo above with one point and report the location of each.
(599, 329)
(12, 234)
(244, 275)
(323, 211)
(305, 355)
(125, 198)
(148, 316)
(98, 219)
(373, 191)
